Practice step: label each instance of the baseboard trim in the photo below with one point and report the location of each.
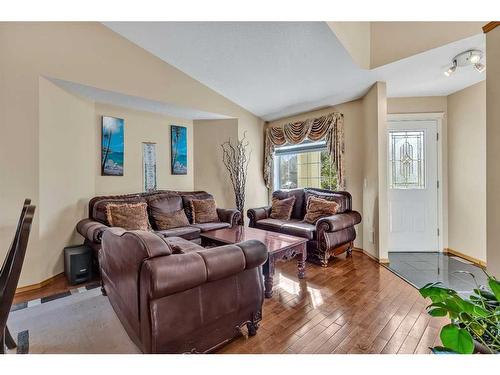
(476, 261)
(40, 285)
(371, 256)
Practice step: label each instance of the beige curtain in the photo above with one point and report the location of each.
(329, 127)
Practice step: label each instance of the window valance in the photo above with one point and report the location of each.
(329, 128)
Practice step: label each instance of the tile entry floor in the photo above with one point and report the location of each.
(422, 268)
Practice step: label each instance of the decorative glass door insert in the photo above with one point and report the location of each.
(406, 159)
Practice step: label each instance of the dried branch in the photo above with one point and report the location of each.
(236, 159)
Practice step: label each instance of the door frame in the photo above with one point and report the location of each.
(441, 172)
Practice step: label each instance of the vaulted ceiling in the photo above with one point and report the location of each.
(276, 69)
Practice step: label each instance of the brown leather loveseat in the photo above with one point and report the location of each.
(174, 296)
(332, 235)
(163, 201)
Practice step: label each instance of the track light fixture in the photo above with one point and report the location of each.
(451, 69)
(467, 58)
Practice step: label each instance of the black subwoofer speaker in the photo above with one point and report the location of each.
(78, 264)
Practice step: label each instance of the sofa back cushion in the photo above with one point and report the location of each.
(298, 210)
(166, 211)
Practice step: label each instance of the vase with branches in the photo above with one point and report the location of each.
(236, 157)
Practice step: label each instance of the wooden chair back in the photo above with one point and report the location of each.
(11, 269)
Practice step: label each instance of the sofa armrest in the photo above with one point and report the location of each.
(229, 215)
(256, 214)
(163, 276)
(338, 222)
(91, 230)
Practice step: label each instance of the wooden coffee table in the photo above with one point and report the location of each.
(279, 247)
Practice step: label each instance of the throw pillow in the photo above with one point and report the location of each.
(204, 211)
(318, 208)
(282, 208)
(170, 220)
(129, 216)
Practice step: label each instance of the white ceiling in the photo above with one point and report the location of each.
(134, 102)
(276, 69)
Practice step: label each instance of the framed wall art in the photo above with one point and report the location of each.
(178, 149)
(112, 146)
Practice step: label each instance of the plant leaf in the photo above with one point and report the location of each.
(457, 339)
(442, 350)
(438, 311)
(495, 287)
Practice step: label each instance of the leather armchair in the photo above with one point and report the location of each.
(173, 296)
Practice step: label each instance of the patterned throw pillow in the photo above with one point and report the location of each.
(282, 208)
(204, 211)
(318, 208)
(170, 220)
(129, 216)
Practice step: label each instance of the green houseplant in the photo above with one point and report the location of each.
(475, 321)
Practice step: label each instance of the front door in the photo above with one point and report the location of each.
(412, 186)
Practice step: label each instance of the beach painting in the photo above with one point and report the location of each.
(112, 143)
(178, 149)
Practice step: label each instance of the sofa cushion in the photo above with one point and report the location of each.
(181, 245)
(204, 211)
(273, 225)
(128, 216)
(164, 221)
(98, 205)
(205, 227)
(186, 201)
(187, 232)
(299, 229)
(318, 208)
(281, 209)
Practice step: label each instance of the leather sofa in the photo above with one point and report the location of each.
(165, 201)
(330, 236)
(174, 296)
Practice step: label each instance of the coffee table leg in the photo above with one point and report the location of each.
(301, 262)
(268, 271)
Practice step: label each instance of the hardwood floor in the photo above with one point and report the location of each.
(353, 306)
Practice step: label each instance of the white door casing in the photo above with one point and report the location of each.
(413, 185)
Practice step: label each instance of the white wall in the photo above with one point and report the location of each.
(374, 106)
(143, 127)
(467, 171)
(66, 166)
(210, 174)
(493, 151)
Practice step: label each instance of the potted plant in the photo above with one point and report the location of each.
(475, 321)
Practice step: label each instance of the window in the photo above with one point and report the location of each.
(406, 160)
(304, 165)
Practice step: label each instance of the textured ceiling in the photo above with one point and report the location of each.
(276, 69)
